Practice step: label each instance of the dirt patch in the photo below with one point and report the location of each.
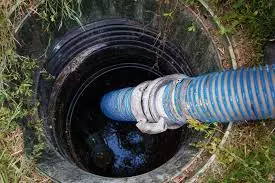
(244, 49)
(18, 167)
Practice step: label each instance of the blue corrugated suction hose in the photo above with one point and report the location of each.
(116, 105)
(167, 102)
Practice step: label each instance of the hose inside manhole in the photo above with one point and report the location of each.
(94, 143)
(105, 55)
(169, 101)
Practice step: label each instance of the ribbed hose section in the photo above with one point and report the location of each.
(229, 96)
(235, 95)
(116, 105)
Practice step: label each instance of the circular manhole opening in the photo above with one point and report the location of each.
(124, 48)
(124, 54)
(110, 148)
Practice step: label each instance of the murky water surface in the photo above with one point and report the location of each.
(114, 149)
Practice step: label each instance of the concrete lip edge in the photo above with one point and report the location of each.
(212, 159)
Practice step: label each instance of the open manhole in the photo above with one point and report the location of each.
(119, 45)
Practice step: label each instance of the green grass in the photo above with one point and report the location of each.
(248, 158)
(16, 84)
(54, 13)
(254, 18)
(15, 95)
(250, 154)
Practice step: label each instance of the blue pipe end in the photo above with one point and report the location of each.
(116, 105)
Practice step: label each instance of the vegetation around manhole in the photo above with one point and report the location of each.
(248, 158)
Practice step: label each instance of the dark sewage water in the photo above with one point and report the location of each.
(110, 148)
